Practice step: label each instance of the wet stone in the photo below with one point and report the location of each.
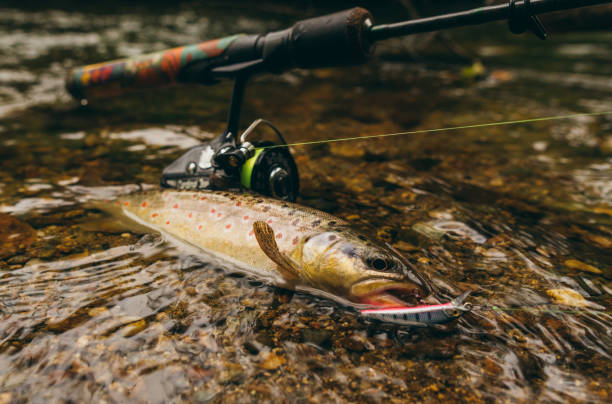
(134, 328)
(429, 351)
(5, 398)
(428, 231)
(15, 235)
(252, 347)
(273, 361)
(231, 373)
(205, 397)
(19, 259)
(356, 343)
(320, 337)
(567, 297)
(581, 266)
(606, 145)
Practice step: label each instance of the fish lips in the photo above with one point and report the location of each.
(386, 292)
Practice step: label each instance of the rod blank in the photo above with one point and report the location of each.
(473, 17)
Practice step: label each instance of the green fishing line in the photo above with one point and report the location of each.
(545, 310)
(414, 132)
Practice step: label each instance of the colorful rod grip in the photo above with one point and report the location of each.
(145, 71)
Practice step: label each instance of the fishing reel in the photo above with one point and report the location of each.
(261, 166)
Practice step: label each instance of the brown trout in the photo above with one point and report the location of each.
(289, 245)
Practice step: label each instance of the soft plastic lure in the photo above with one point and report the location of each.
(422, 315)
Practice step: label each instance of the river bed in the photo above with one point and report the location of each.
(94, 310)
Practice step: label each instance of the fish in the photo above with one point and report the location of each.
(422, 315)
(287, 244)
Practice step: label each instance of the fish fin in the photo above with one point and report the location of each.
(265, 237)
(118, 222)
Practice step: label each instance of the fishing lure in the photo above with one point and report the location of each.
(422, 315)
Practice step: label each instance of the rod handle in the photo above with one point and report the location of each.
(156, 69)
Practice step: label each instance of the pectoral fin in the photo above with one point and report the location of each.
(265, 237)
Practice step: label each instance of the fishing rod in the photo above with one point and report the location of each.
(234, 161)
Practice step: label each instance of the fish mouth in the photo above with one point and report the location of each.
(383, 292)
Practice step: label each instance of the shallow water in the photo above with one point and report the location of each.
(522, 215)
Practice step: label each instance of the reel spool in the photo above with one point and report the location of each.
(271, 172)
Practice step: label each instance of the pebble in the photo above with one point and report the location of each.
(83, 341)
(317, 337)
(273, 361)
(428, 350)
(405, 246)
(18, 259)
(252, 347)
(581, 266)
(231, 373)
(357, 343)
(606, 145)
(134, 328)
(15, 235)
(603, 210)
(428, 231)
(5, 398)
(492, 269)
(496, 182)
(96, 311)
(600, 240)
(204, 397)
(567, 297)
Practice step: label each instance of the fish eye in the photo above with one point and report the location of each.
(381, 264)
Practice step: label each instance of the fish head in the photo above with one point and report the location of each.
(350, 266)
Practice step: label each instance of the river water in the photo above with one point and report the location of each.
(93, 310)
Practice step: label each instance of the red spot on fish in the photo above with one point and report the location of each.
(144, 204)
(295, 241)
(238, 203)
(168, 222)
(251, 233)
(219, 214)
(126, 203)
(107, 200)
(154, 215)
(279, 235)
(228, 226)
(212, 210)
(200, 227)
(203, 198)
(175, 206)
(190, 215)
(119, 203)
(246, 217)
(269, 221)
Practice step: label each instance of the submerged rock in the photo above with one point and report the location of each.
(273, 361)
(317, 337)
(581, 266)
(15, 235)
(567, 297)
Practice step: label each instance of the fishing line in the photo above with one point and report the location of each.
(451, 128)
(543, 310)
